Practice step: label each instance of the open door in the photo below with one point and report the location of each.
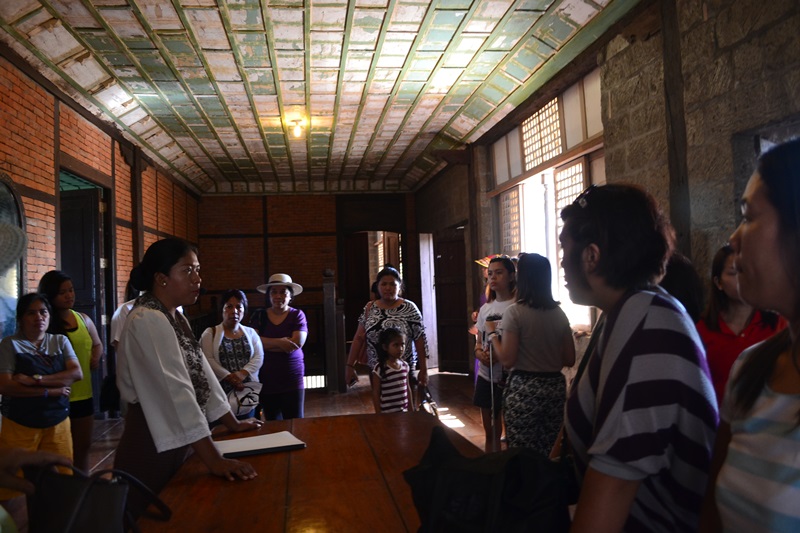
(451, 300)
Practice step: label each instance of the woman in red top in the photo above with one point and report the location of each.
(729, 325)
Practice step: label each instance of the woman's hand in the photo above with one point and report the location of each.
(248, 424)
(350, 376)
(232, 470)
(234, 381)
(482, 355)
(422, 377)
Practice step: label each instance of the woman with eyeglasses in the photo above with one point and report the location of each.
(163, 376)
(234, 351)
(641, 419)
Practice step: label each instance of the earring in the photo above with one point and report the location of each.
(163, 283)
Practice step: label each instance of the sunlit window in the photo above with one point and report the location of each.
(541, 135)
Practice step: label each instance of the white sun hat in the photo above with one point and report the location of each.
(282, 280)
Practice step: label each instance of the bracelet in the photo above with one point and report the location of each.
(351, 366)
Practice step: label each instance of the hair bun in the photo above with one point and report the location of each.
(138, 279)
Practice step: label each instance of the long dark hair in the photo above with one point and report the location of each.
(508, 264)
(718, 301)
(386, 336)
(161, 256)
(534, 280)
(779, 170)
(49, 286)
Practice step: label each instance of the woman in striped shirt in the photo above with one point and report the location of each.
(642, 418)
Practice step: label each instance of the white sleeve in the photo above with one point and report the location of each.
(154, 375)
(257, 359)
(210, 346)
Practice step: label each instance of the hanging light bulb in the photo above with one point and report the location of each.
(298, 128)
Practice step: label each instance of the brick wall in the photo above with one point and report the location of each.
(149, 199)
(122, 186)
(27, 157)
(165, 215)
(300, 241)
(84, 141)
(125, 259)
(41, 229)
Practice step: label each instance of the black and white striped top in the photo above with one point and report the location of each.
(645, 410)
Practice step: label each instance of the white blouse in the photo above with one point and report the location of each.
(211, 339)
(151, 371)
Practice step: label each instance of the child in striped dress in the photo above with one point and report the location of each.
(390, 386)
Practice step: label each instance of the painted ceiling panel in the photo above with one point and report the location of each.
(213, 89)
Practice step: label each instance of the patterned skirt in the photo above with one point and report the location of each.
(533, 406)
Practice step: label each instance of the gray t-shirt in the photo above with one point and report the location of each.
(20, 356)
(541, 337)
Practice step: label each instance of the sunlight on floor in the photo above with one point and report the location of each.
(449, 420)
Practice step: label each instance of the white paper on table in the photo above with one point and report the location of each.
(272, 442)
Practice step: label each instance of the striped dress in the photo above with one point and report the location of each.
(758, 488)
(645, 410)
(394, 387)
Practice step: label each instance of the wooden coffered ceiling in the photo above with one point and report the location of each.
(211, 89)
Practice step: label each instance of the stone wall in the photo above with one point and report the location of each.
(740, 64)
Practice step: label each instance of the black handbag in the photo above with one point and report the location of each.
(84, 503)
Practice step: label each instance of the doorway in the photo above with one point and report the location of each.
(82, 251)
(452, 308)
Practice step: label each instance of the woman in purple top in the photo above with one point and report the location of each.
(283, 331)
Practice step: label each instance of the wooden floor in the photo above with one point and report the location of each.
(452, 393)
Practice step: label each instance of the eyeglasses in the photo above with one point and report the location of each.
(583, 198)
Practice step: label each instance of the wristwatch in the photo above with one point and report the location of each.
(37, 378)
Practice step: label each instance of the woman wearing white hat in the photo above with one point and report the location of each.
(283, 331)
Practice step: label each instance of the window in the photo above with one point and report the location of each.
(11, 220)
(510, 217)
(570, 180)
(541, 135)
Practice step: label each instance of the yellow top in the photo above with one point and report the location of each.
(82, 344)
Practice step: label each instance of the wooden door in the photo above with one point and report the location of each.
(357, 280)
(452, 311)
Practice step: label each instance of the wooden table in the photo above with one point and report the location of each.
(348, 479)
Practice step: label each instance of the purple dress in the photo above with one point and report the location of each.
(281, 371)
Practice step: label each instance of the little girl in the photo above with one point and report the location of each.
(390, 385)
